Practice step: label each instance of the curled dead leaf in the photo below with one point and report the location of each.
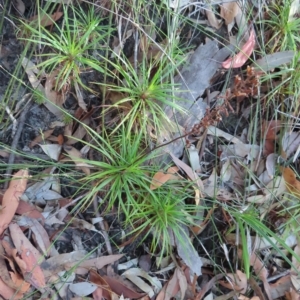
(239, 59)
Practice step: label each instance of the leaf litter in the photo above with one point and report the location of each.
(47, 241)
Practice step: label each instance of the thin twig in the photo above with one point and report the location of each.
(15, 142)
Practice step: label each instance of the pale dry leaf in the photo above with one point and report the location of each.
(82, 288)
(40, 236)
(296, 263)
(212, 19)
(52, 150)
(225, 173)
(169, 290)
(210, 184)
(78, 135)
(274, 188)
(295, 281)
(79, 95)
(229, 10)
(56, 264)
(194, 158)
(76, 156)
(187, 252)
(290, 142)
(62, 283)
(57, 98)
(188, 170)
(19, 6)
(182, 282)
(96, 263)
(31, 71)
(294, 10)
(82, 224)
(241, 21)
(213, 130)
(177, 3)
(11, 198)
(261, 271)
(133, 275)
(271, 61)
(237, 282)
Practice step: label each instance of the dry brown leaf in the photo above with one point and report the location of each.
(137, 276)
(261, 271)
(188, 170)
(170, 289)
(229, 10)
(103, 287)
(47, 20)
(292, 295)
(40, 236)
(160, 178)
(56, 264)
(79, 133)
(269, 130)
(212, 19)
(41, 137)
(120, 288)
(208, 286)
(76, 156)
(11, 197)
(79, 95)
(238, 282)
(96, 263)
(291, 182)
(56, 97)
(11, 279)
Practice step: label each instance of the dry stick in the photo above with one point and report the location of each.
(15, 141)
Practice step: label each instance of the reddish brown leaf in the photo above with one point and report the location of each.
(8, 293)
(30, 268)
(26, 209)
(121, 289)
(239, 59)
(10, 200)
